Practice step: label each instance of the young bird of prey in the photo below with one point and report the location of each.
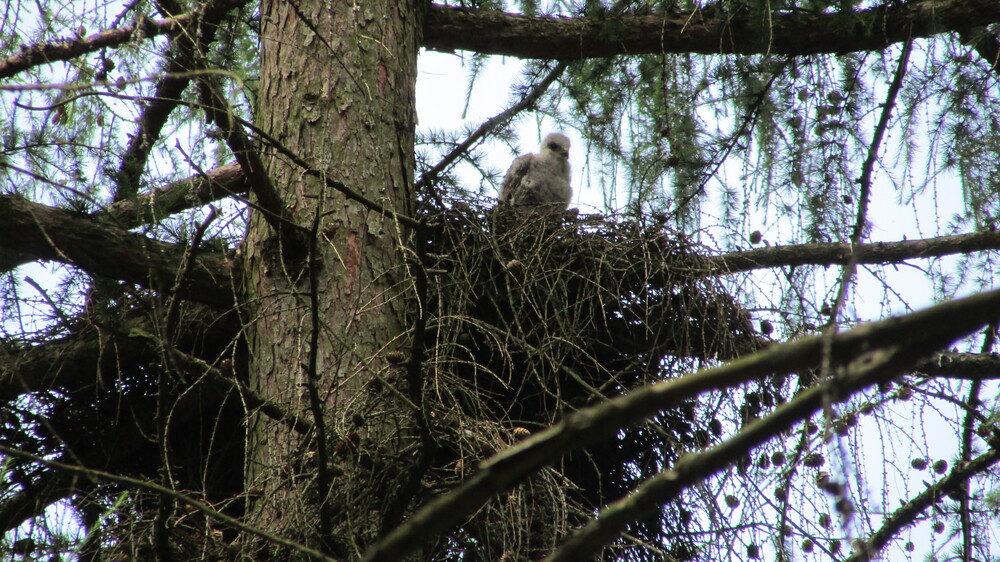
(540, 181)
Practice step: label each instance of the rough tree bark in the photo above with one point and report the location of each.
(337, 89)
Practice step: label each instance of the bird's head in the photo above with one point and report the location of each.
(556, 144)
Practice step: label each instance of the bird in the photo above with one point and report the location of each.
(540, 181)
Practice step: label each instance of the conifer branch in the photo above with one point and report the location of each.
(838, 254)
(706, 31)
(199, 189)
(186, 47)
(48, 233)
(68, 49)
(908, 513)
(183, 499)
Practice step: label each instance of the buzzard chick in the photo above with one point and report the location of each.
(540, 181)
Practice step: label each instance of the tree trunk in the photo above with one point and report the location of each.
(337, 88)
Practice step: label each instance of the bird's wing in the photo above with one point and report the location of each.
(514, 178)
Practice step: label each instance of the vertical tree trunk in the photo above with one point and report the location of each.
(337, 88)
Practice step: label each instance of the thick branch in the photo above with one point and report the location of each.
(11, 258)
(194, 191)
(968, 366)
(90, 355)
(67, 363)
(908, 338)
(838, 254)
(71, 362)
(48, 233)
(706, 31)
(689, 470)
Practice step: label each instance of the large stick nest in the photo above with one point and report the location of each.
(532, 316)
(526, 317)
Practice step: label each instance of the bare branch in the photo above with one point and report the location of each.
(906, 339)
(859, 232)
(689, 470)
(905, 515)
(831, 254)
(967, 366)
(228, 382)
(707, 31)
(868, 168)
(334, 184)
(272, 208)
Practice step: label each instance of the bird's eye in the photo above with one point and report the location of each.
(553, 146)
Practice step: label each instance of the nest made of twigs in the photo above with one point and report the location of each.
(533, 315)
